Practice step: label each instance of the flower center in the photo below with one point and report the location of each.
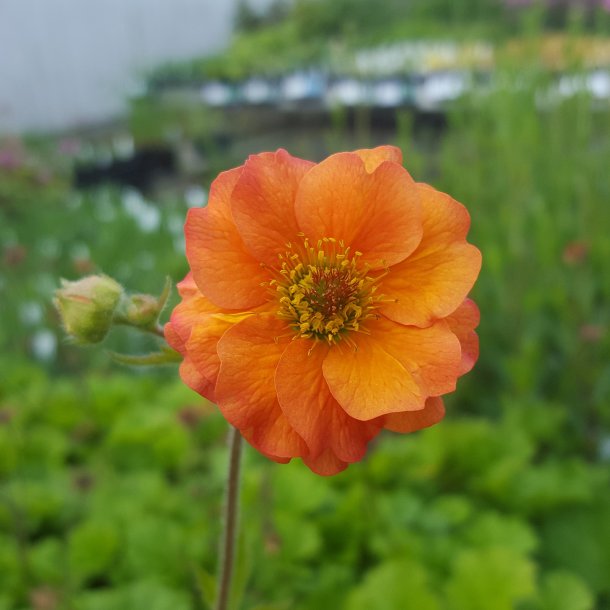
(324, 291)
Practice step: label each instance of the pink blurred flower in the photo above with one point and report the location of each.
(575, 252)
(14, 255)
(11, 157)
(592, 333)
(69, 147)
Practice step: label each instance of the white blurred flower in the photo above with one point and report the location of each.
(195, 196)
(31, 313)
(44, 345)
(146, 215)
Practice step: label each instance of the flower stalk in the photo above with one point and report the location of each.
(230, 522)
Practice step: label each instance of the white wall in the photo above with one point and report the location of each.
(69, 62)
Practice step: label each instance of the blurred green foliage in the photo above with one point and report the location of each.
(298, 34)
(535, 179)
(324, 33)
(112, 487)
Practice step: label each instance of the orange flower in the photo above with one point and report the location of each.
(326, 302)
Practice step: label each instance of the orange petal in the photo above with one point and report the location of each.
(195, 328)
(374, 157)
(202, 344)
(311, 409)
(225, 272)
(184, 316)
(187, 287)
(462, 322)
(325, 464)
(436, 278)
(395, 368)
(173, 338)
(263, 203)
(410, 421)
(195, 380)
(245, 390)
(280, 460)
(378, 214)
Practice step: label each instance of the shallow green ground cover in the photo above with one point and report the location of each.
(112, 486)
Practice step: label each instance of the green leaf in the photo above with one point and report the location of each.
(490, 579)
(11, 572)
(148, 594)
(494, 529)
(395, 585)
(305, 545)
(565, 591)
(9, 456)
(41, 501)
(242, 568)
(206, 583)
(298, 490)
(48, 561)
(93, 548)
(557, 483)
(157, 548)
(578, 540)
(144, 437)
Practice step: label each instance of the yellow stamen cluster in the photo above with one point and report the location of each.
(324, 291)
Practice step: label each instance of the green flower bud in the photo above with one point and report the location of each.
(87, 307)
(140, 310)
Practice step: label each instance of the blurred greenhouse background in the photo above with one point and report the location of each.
(114, 119)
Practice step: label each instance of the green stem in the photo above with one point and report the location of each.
(158, 330)
(231, 513)
(155, 329)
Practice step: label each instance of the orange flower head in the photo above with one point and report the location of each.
(326, 302)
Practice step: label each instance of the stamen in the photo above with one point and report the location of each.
(325, 292)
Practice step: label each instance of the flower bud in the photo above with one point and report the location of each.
(87, 307)
(140, 310)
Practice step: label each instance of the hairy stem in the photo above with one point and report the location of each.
(231, 514)
(158, 330)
